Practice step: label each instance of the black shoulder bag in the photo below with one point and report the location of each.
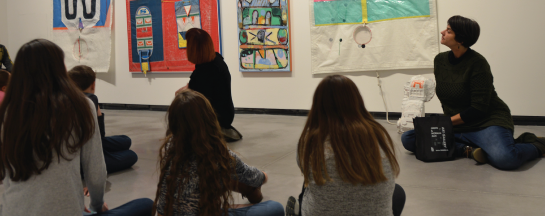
(434, 138)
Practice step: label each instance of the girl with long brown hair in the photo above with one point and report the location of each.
(49, 129)
(198, 171)
(347, 158)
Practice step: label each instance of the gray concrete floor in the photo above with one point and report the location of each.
(459, 187)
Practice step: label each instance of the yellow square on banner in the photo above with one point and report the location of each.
(181, 41)
(145, 67)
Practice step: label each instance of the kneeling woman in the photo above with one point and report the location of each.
(198, 171)
(482, 122)
(347, 158)
(211, 78)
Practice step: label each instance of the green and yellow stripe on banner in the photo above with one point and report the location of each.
(343, 12)
(364, 11)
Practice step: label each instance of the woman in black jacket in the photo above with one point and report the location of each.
(211, 78)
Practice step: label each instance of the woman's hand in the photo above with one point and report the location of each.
(86, 191)
(456, 119)
(105, 207)
(181, 89)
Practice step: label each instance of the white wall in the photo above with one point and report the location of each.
(511, 39)
(3, 22)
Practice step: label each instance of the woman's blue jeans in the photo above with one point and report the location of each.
(137, 207)
(267, 208)
(117, 154)
(497, 142)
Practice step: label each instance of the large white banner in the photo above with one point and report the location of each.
(360, 35)
(82, 28)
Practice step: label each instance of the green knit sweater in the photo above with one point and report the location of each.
(469, 83)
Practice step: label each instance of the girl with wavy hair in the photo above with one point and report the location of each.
(198, 171)
(347, 158)
(49, 129)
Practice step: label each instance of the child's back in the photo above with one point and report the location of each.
(58, 184)
(117, 153)
(47, 133)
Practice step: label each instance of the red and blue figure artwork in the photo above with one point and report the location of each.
(264, 35)
(82, 28)
(154, 32)
(144, 36)
(188, 16)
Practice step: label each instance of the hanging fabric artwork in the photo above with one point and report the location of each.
(188, 16)
(264, 35)
(368, 35)
(156, 32)
(82, 28)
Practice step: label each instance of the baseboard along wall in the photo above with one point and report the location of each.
(392, 116)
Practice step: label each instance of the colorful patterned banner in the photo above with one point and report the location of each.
(264, 35)
(156, 31)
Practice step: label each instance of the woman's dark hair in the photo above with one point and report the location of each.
(338, 116)
(45, 116)
(194, 133)
(466, 30)
(200, 48)
(83, 76)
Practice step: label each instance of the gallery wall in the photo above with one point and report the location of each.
(3, 22)
(511, 40)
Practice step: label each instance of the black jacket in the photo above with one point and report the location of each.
(213, 80)
(100, 119)
(5, 59)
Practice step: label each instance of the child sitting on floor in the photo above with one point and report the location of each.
(49, 135)
(4, 80)
(116, 148)
(198, 172)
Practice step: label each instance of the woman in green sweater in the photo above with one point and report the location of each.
(482, 122)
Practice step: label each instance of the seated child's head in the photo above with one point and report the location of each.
(84, 77)
(4, 79)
